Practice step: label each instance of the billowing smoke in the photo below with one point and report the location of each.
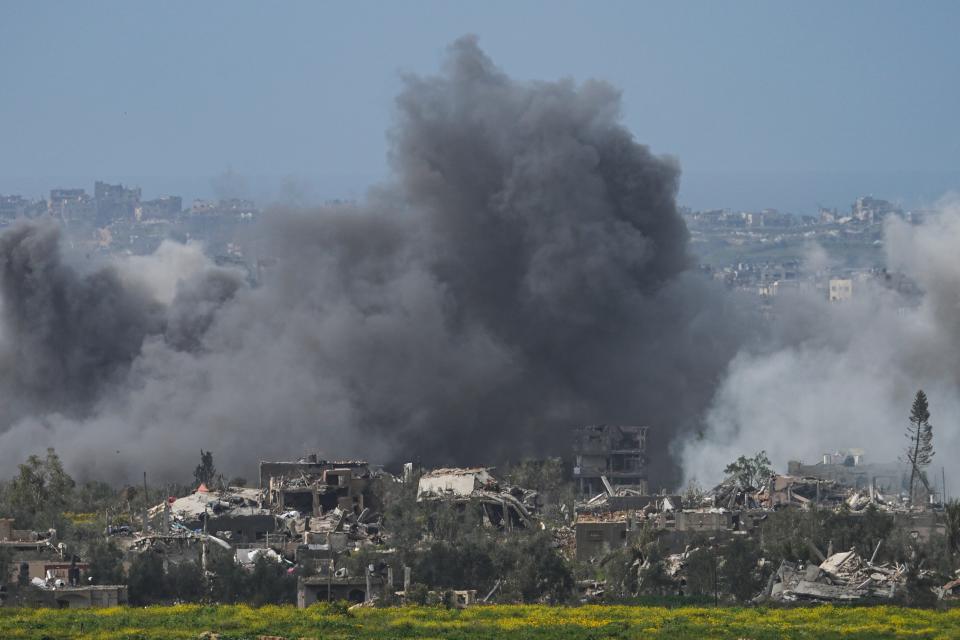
(65, 336)
(71, 336)
(843, 375)
(526, 272)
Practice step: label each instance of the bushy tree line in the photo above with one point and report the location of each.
(447, 547)
(268, 582)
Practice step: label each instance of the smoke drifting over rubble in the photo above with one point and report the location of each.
(526, 272)
(844, 375)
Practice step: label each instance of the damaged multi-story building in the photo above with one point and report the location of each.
(610, 456)
(315, 486)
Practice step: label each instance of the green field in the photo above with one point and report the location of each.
(323, 621)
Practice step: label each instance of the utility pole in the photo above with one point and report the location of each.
(146, 504)
(203, 544)
(943, 481)
(716, 582)
(369, 595)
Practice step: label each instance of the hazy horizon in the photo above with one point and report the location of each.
(797, 192)
(763, 104)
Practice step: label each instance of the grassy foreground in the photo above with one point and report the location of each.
(322, 621)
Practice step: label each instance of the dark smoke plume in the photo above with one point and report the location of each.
(70, 336)
(527, 272)
(66, 336)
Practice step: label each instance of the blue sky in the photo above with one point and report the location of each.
(764, 103)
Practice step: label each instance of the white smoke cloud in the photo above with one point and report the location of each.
(843, 375)
(165, 269)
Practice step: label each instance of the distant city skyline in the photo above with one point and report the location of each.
(800, 193)
(763, 104)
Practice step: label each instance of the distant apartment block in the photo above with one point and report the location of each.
(840, 289)
(873, 210)
(13, 207)
(163, 208)
(71, 204)
(115, 202)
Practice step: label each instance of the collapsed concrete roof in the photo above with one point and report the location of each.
(454, 482)
(232, 501)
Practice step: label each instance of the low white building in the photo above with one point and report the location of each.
(840, 289)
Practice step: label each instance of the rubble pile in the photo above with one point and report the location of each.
(503, 505)
(843, 576)
(797, 491)
(951, 590)
(565, 539)
(193, 508)
(629, 500)
(801, 491)
(367, 526)
(730, 495)
(676, 563)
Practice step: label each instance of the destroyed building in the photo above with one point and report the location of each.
(315, 486)
(502, 506)
(597, 537)
(840, 577)
(303, 512)
(235, 513)
(36, 554)
(24, 539)
(606, 522)
(610, 456)
(79, 597)
(330, 583)
(850, 469)
(51, 577)
(801, 491)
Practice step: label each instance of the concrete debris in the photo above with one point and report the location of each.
(591, 590)
(320, 505)
(781, 491)
(843, 576)
(503, 506)
(365, 527)
(950, 591)
(229, 501)
(629, 500)
(675, 563)
(730, 495)
(177, 540)
(248, 557)
(786, 490)
(312, 486)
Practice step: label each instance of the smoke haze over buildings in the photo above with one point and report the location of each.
(527, 271)
(836, 376)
